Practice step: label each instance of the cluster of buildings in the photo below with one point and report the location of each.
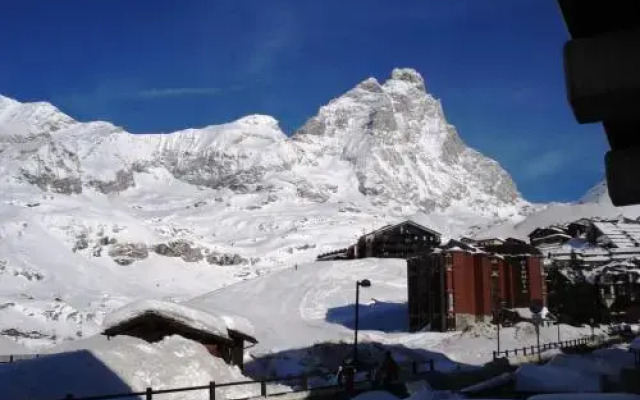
(460, 283)
(455, 284)
(583, 270)
(592, 268)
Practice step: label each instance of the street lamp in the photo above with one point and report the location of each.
(365, 283)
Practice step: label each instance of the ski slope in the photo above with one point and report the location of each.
(297, 308)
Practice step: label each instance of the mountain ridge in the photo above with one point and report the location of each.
(373, 127)
(95, 217)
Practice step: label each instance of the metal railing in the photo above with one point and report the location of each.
(636, 355)
(11, 358)
(298, 383)
(535, 349)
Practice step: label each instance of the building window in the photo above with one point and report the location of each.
(524, 276)
(448, 260)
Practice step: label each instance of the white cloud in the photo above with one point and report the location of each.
(545, 164)
(277, 35)
(175, 92)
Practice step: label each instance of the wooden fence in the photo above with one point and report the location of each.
(299, 383)
(535, 349)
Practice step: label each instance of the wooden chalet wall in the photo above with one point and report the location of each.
(404, 240)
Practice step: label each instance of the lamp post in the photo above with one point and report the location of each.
(365, 283)
(497, 313)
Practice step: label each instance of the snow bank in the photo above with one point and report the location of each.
(616, 359)
(98, 366)
(191, 317)
(375, 395)
(585, 396)
(8, 347)
(587, 364)
(434, 395)
(551, 379)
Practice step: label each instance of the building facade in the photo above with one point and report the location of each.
(460, 285)
(403, 240)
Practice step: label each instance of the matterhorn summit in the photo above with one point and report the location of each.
(396, 139)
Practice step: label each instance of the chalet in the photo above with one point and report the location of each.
(223, 335)
(615, 234)
(403, 240)
(341, 254)
(489, 242)
(578, 228)
(600, 242)
(468, 240)
(618, 288)
(549, 236)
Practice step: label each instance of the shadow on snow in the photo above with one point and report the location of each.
(377, 316)
(79, 373)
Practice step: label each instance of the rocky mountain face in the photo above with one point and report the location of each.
(395, 138)
(391, 139)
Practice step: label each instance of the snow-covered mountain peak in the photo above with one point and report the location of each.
(407, 76)
(259, 120)
(6, 102)
(26, 119)
(597, 194)
(402, 149)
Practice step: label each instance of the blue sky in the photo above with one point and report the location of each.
(162, 65)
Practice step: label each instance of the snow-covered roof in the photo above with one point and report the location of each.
(620, 234)
(207, 322)
(407, 222)
(552, 235)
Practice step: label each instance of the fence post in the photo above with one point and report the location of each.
(263, 388)
(494, 355)
(212, 390)
(525, 350)
(11, 358)
(432, 365)
(515, 351)
(149, 394)
(305, 382)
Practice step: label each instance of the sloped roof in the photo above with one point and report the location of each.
(407, 222)
(220, 326)
(457, 245)
(620, 234)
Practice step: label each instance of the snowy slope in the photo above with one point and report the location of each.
(595, 203)
(94, 217)
(295, 308)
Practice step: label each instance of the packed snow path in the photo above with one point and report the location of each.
(289, 308)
